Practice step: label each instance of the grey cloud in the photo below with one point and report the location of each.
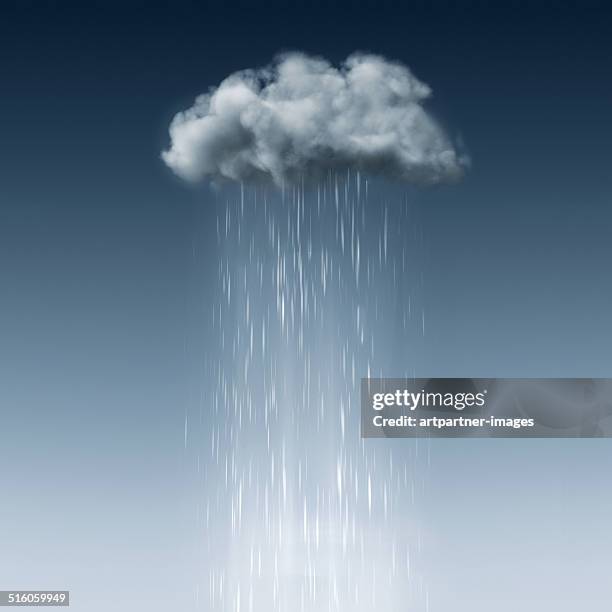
(301, 117)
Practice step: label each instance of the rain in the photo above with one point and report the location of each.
(317, 286)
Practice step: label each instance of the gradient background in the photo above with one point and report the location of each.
(104, 258)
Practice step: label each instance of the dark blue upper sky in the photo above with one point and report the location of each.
(89, 215)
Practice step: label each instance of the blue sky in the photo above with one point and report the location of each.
(106, 258)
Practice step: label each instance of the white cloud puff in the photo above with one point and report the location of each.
(301, 117)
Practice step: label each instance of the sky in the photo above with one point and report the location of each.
(106, 258)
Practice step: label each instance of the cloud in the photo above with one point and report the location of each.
(301, 116)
